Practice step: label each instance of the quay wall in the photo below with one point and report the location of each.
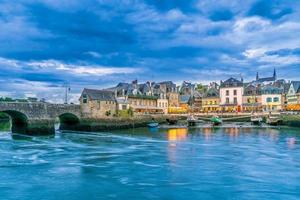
(291, 120)
(104, 124)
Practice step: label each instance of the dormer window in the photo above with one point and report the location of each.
(84, 98)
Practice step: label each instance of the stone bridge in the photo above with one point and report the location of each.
(39, 118)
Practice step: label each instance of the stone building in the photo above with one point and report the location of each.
(186, 88)
(231, 95)
(143, 98)
(196, 102)
(97, 103)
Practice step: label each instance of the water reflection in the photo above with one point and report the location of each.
(177, 134)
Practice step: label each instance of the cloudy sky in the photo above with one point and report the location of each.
(98, 43)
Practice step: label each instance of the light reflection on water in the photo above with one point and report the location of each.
(197, 163)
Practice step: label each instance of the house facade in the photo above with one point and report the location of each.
(211, 101)
(231, 95)
(97, 103)
(271, 98)
(252, 101)
(293, 96)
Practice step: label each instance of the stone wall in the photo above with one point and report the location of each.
(98, 109)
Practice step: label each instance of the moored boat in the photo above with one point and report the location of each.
(255, 119)
(216, 120)
(153, 125)
(274, 119)
(172, 121)
(191, 120)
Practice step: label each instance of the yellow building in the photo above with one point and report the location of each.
(211, 101)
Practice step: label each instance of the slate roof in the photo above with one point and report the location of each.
(296, 86)
(266, 79)
(231, 82)
(269, 89)
(211, 92)
(102, 95)
(184, 98)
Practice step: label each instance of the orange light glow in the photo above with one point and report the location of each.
(178, 134)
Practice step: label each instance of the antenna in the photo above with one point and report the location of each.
(67, 87)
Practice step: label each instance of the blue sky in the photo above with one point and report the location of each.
(98, 43)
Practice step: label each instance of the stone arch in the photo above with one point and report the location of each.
(19, 121)
(68, 121)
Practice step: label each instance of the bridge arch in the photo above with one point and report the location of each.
(19, 120)
(68, 121)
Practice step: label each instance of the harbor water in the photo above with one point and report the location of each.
(231, 162)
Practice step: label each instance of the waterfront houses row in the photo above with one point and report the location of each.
(232, 95)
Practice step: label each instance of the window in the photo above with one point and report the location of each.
(124, 107)
(235, 100)
(276, 99)
(227, 100)
(227, 92)
(269, 99)
(84, 98)
(234, 92)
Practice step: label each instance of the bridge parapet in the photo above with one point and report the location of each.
(41, 110)
(31, 118)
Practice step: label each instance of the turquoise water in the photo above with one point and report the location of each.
(200, 163)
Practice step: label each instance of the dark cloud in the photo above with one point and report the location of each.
(161, 39)
(272, 9)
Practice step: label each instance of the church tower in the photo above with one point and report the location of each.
(274, 74)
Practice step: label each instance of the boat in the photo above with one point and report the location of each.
(216, 120)
(255, 119)
(274, 119)
(191, 120)
(153, 125)
(172, 121)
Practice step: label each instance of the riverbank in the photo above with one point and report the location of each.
(106, 124)
(291, 120)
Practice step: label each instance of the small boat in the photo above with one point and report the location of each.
(274, 119)
(216, 120)
(153, 125)
(255, 119)
(172, 121)
(191, 120)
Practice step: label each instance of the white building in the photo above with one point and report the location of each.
(231, 95)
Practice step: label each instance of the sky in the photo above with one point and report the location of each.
(99, 43)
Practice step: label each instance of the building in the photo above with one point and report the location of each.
(231, 95)
(186, 88)
(144, 104)
(293, 96)
(266, 80)
(271, 98)
(252, 98)
(211, 100)
(144, 98)
(97, 103)
(196, 102)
